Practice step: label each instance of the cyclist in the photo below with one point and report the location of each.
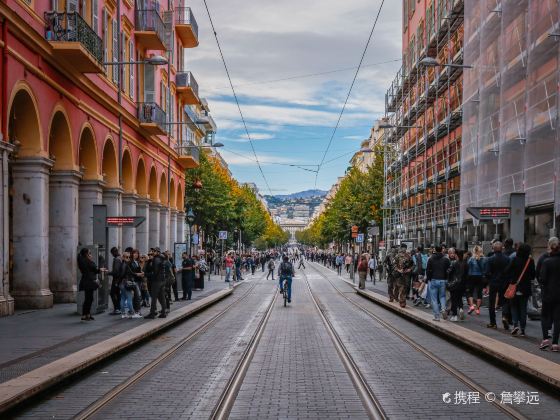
(286, 272)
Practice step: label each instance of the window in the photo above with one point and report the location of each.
(105, 36)
(95, 16)
(132, 57)
(122, 56)
(149, 86)
(115, 50)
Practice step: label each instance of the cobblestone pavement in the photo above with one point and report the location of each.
(31, 339)
(386, 360)
(296, 371)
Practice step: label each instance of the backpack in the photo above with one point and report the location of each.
(286, 269)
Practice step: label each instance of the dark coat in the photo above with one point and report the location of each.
(437, 268)
(550, 278)
(495, 268)
(513, 273)
(89, 274)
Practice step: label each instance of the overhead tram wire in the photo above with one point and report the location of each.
(235, 97)
(349, 90)
(293, 165)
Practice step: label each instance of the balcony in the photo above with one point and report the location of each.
(189, 155)
(187, 88)
(150, 30)
(73, 41)
(152, 118)
(186, 27)
(207, 121)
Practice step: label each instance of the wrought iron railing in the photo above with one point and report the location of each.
(150, 21)
(150, 112)
(71, 27)
(184, 16)
(186, 79)
(188, 149)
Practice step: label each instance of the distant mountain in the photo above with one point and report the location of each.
(301, 194)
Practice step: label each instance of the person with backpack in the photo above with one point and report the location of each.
(155, 272)
(271, 267)
(286, 272)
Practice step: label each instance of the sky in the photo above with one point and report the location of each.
(274, 50)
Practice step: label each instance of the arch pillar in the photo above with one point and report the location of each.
(63, 234)
(129, 209)
(172, 228)
(154, 224)
(30, 233)
(164, 228)
(6, 300)
(90, 193)
(181, 226)
(143, 231)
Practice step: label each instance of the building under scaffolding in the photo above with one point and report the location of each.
(424, 109)
(510, 122)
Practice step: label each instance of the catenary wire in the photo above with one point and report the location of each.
(235, 96)
(349, 91)
(276, 163)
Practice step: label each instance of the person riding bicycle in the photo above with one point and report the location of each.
(286, 272)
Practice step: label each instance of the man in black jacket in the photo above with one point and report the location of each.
(117, 273)
(436, 275)
(495, 267)
(549, 278)
(157, 289)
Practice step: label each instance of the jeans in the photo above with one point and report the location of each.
(126, 300)
(339, 269)
(289, 286)
(238, 274)
(228, 273)
(437, 292)
(428, 298)
(270, 272)
(518, 307)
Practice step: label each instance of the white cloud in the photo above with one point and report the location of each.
(246, 158)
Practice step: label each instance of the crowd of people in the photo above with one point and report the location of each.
(452, 282)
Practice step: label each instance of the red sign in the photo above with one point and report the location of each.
(490, 213)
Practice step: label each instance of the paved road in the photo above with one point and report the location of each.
(296, 371)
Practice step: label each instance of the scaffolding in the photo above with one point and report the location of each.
(424, 105)
(510, 122)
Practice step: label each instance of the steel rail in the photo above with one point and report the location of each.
(93, 408)
(428, 354)
(371, 403)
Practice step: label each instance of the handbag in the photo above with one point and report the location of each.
(512, 288)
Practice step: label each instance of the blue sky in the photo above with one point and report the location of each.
(275, 50)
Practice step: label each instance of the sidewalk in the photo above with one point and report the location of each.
(33, 338)
(476, 323)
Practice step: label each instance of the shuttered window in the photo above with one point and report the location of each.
(132, 57)
(115, 51)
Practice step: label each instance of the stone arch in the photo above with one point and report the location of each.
(163, 190)
(87, 154)
(180, 199)
(60, 140)
(141, 183)
(172, 196)
(127, 172)
(152, 185)
(109, 166)
(24, 127)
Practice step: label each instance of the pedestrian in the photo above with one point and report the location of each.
(348, 262)
(301, 262)
(475, 282)
(362, 272)
(89, 282)
(116, 274)
(238, 262)
(155, 271)
(494, 270)
(436, 274)
(271, 267)
(187, 275)
(137, 276)
(372, 265)
(202, 270)
(403, 266)
(126, 288)
(546, 316)
(389, 264)
(550, 280)
(457, 279)
(339, 261)
(144, 288)
(520, 272)
(174, 285)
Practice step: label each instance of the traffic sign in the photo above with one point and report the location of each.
(222, 235)
(360, 238)
(124, 221)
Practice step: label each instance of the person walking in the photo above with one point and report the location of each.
(372, 266)
(550, 281)
(546, 316)
(521, 272)
(403, 266)
(301, 262)
(457, 279)
(339, 261)
(475, 282)
(436, 274)
(156, 283)
(348, 262)
(271, 267)
(202, 270)
(389, 264)
(494, 270)
(88, 282)
(362, 271)
(116, 273)
(187, 275)
(228, 262)
(126, 288)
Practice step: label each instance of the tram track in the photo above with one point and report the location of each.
(94, 408)
(474, 386)
(369, 400)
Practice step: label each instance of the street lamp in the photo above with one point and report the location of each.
(190, 221)
(156, 60)
(432, 62)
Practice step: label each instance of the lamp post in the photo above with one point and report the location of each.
(190, 221)
(432, 62)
